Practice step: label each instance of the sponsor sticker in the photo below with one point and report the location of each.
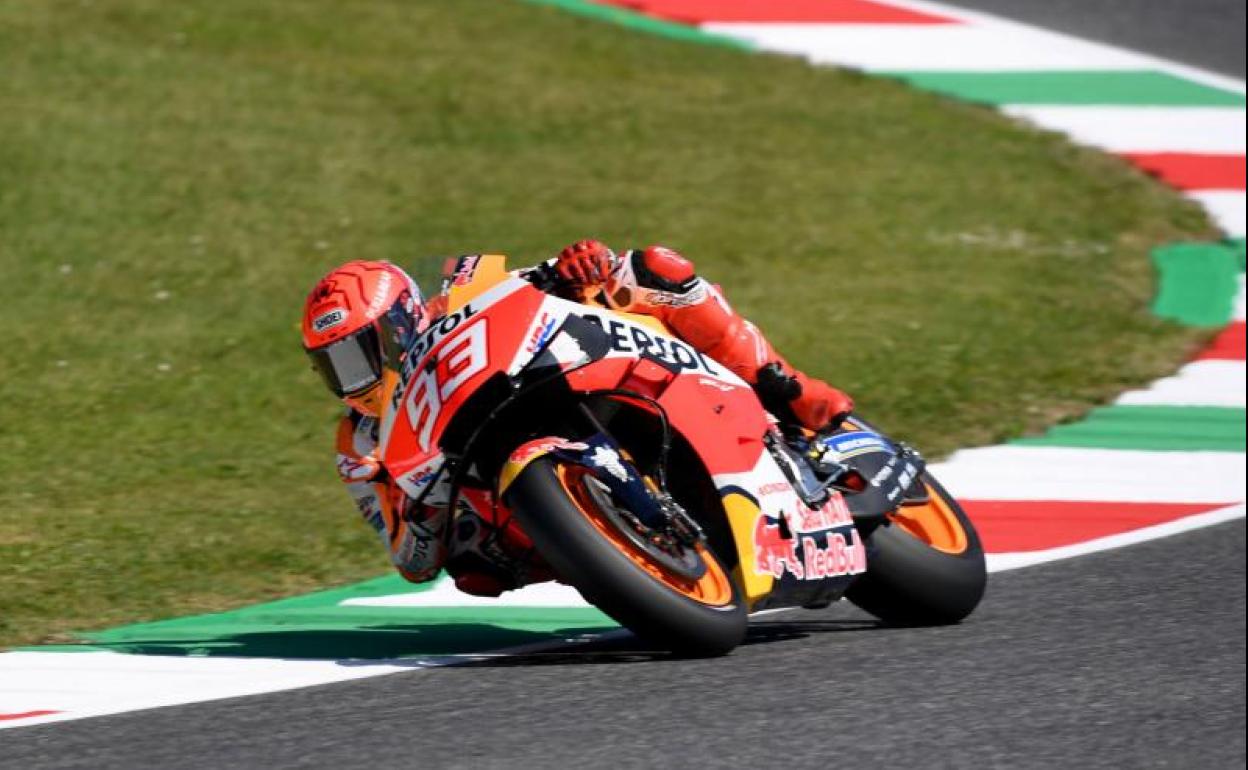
(840, 556)
(370, 508)
(856, 443)
(419, 548)
(379, 297)
(434, 334)
(415, 481)
(541, 332)
(833, 513)
(774, 488)
(329, 319)
(841, 553)
(609, 460)
(533, 449)
(627, 337)
(466, 268)
(351, 468)
(775, 554)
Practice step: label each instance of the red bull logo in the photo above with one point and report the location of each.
(774, 553)
(532, 449)
(838, 557)
(842, 553)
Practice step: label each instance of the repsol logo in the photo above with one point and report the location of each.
(434, 334)
(630, 338)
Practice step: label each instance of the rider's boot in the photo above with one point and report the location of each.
(487, 560)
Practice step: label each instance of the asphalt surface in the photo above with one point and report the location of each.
(1128, 658)
(1202, 33)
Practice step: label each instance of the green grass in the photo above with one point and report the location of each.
(174, 176)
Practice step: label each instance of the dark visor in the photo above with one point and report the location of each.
(351, 364)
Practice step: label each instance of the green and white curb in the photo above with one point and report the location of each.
(382, 626)
(1161, 460)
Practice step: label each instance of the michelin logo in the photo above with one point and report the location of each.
(858, 443)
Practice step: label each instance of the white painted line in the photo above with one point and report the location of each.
(95, 683)
(925, 47)
(1071, 474)
(89, 684)
(1226, 207)
(445, 594)
(1144, 129)
(1001, 562)
(1200, 383)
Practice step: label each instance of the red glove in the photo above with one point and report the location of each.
(820, 406)
(585, 263)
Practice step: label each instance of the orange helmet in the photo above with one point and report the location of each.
(359, 318)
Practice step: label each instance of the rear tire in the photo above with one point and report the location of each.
(920, 578)
(619, 578)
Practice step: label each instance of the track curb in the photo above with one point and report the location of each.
(1200, 284)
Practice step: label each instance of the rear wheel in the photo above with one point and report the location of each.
(925, 564)
(679, 597)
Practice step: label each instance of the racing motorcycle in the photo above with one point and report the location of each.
(650, 477)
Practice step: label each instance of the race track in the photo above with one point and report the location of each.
(1130, 658)
(1125, 658)
(1203, 33)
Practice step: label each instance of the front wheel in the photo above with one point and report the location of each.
(925, 564)
(678, 597)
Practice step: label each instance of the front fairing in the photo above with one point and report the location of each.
(444, 367)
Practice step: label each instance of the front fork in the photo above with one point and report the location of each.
(609, 463)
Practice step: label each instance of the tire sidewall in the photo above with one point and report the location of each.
(610, 580)
(910, 583)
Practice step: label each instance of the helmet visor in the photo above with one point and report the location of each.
(351, 364)
(400, 327)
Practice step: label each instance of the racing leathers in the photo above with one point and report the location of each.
(657, 281)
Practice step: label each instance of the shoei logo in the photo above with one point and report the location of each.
(329, 320)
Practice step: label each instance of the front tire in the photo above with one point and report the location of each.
(925, 564)
(695, 616)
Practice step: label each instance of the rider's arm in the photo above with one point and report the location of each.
(660, 282)
(413, 542)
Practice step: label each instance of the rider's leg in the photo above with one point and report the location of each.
(486, 559)
(663, 283)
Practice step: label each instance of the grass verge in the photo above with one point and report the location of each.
(174, 176)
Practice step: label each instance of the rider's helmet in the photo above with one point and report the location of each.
(360, 318)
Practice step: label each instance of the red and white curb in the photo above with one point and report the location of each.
(1050, 502)
(1045, 503)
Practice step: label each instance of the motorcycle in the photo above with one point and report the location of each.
(650, 477)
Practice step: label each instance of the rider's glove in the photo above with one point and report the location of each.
(585, 263)
(352, 468)
(798, 399)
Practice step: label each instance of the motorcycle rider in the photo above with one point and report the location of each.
(363, 314)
